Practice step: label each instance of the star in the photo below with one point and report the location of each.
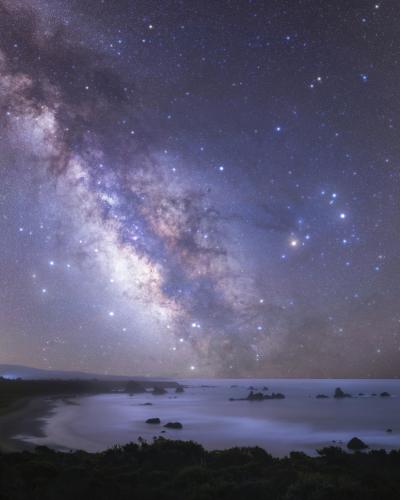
(187, 183)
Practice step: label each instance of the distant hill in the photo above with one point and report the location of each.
(26, 372)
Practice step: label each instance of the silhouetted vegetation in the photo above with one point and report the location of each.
(179, 470)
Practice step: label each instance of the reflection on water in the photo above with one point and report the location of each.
(299, 422)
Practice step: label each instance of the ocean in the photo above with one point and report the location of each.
(300, 422)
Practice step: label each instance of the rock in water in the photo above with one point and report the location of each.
(259, 396)
(153, 421)
(356, 444)
(173, 425)
(340, 394)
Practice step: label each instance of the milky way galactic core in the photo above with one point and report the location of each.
(200, 188)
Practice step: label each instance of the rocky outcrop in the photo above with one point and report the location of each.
(356, 444)
(134, 387)
(339, 394)
(173, 425)
(159, 391)
(153, 421)
(259, 396)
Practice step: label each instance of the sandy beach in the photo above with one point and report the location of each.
(25, 417)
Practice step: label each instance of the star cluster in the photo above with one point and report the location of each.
(200, 188)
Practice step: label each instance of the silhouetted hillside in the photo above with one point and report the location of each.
(29, 373)
(11, 390)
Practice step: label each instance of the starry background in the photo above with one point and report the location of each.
(200, 188)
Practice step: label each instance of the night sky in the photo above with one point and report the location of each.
(200, 188)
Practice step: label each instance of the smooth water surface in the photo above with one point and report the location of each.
(299, 422)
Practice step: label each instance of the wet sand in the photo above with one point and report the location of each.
(24, 417)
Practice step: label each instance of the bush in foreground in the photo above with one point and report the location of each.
(184, 470)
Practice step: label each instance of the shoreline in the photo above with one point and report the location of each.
(23, 417)
(301, 422)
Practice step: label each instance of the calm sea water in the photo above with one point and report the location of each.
(299, 422)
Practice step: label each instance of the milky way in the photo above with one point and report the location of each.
(200, 188)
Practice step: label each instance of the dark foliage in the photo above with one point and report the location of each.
(179, 470)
